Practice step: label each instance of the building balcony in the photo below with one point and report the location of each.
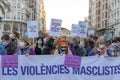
(101, 28)
(10, 20)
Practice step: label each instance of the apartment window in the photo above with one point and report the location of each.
(18, 15)
(115, 2)
(112, 4)
(96, 5)
(96, 12)
(106, 6)
(103, 6)
(14, 4)
(7, 15)
(105, 23)
(98, 18)
(22, 16)
(98, 25)
(118, 12)
(106, 15)
(99, 4)
(115, 14)
(18, 5)
(112, 15)
(102, 23)
(99, 12)
(14, 15)
(102, 15)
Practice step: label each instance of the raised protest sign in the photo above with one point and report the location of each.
(52, 68)
(74, 30)
(55, 27)
(91, 32)
(82, 29)
(32, 29)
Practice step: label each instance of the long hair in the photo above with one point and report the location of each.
(60, 44)
(41, 40)
(97, 45)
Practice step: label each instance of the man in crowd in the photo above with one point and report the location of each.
(115, 47)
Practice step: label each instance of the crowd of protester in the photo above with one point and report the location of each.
(13, 44)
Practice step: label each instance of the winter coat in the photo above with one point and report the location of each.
(11, 47)
(3, 51)
(88, 49)
(114, 49)
(46, 51)
(80, 51)
(38, 50)
(32, 51)
(25, 50)
(92, 53)
(72, 49)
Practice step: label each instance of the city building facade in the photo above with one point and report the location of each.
(17, 18)
(41, 15)
(98, 11)
(21, 12)
(92, 14)
(114, 17)
(65, 32)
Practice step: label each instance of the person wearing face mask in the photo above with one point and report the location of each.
(48, 48)
(100, 49)
(26, 49)
(20, 47)
(71, 44)
(13, 44)
(39, 46)
(4, 42)
(115, 47)
(76, 48)
(62, 48)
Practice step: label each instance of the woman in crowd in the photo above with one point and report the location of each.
(87, 46)
(26, 49)
(71, 45)
(62, 48)
(23, 48)
(79, 49)
(49, 48)
(39, 46)
(100, 49)
(4, 42)
(20, 47)
(13, 44)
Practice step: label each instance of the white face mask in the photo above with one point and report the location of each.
(101, 46)
(11, 35)
(21, 44)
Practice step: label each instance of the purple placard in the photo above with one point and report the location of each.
(9, 61)
(72, 61)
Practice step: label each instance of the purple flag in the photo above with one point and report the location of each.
(9, 61)
(72, 61)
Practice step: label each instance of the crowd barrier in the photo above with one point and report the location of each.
(52, 68)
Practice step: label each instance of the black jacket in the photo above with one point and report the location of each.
(38, 50)
(11, 47)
